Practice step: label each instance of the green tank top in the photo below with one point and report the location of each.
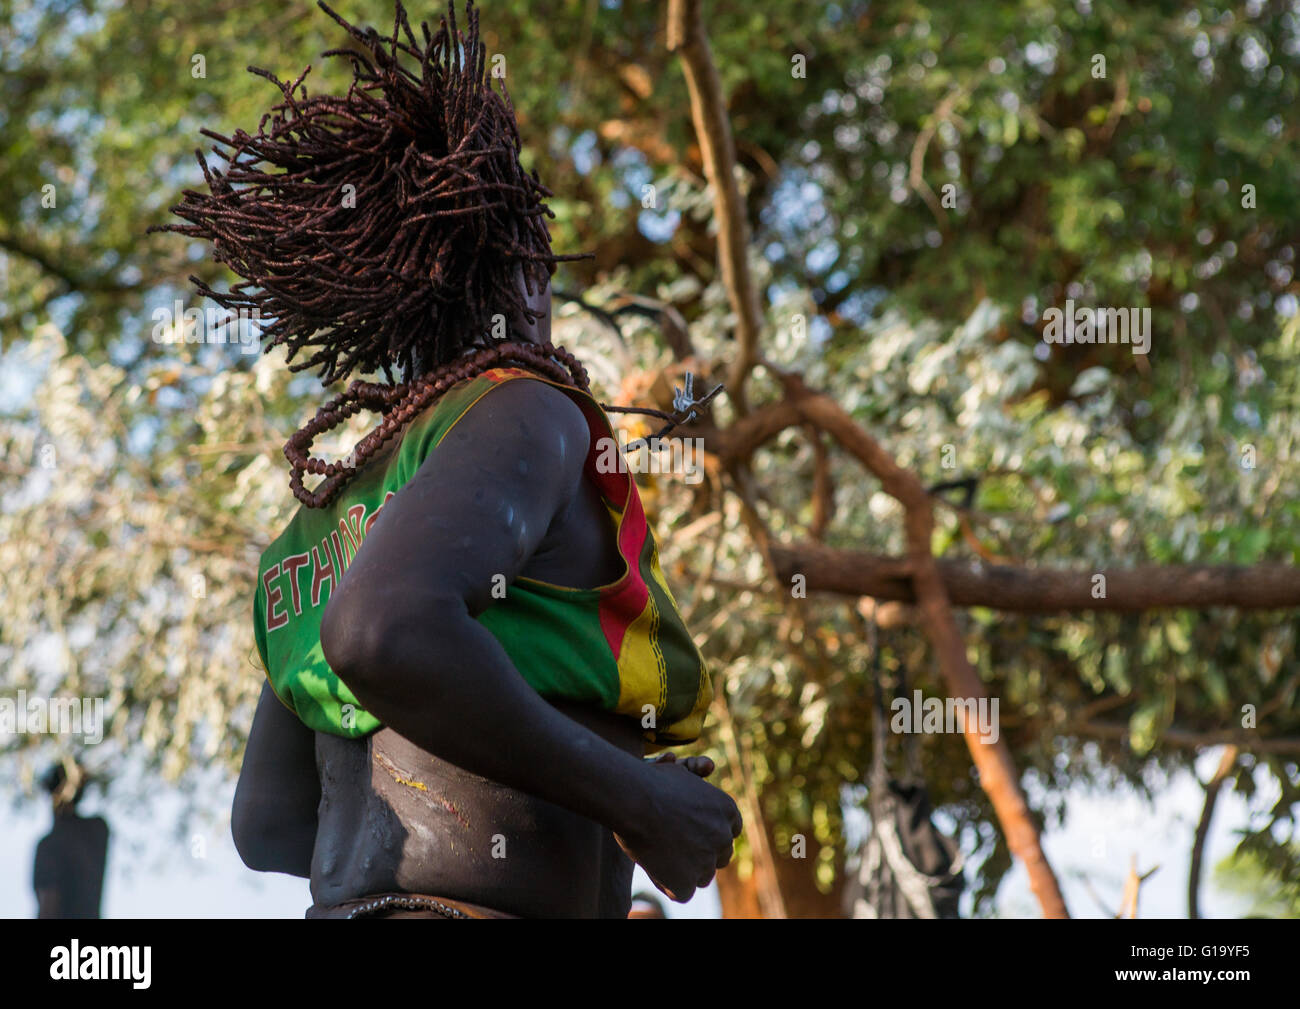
(622, 647)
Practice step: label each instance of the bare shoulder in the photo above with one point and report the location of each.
(527, 410)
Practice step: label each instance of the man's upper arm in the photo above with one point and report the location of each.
(278, 789)
(478, 508)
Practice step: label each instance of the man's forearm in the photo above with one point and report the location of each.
(448, 686)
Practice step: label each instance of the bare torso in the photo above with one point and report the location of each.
(393, 817)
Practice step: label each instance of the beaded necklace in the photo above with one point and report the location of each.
(402, 403)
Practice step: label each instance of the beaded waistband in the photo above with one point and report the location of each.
(377, 904)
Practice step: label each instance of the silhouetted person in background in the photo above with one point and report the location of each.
(69, 872)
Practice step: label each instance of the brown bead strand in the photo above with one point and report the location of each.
(400, 404)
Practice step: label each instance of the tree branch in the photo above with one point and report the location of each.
(1285, 746)
(687, 38)
(997, 771)
(1020, 589)
(73, 282)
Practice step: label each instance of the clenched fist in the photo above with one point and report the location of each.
(687, 834)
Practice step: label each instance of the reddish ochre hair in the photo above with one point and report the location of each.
(381, 231)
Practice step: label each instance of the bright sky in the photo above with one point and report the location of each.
(161, 877)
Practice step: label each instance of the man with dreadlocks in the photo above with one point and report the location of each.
(468, 639)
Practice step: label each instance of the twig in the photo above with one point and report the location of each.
(685, 407)
(1227, 761)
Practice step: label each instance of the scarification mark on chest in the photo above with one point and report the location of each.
(404, 778)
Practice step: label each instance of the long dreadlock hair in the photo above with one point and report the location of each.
(381, 231)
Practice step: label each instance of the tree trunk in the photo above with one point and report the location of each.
(797, 878)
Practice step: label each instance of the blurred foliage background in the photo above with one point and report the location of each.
(142, 479)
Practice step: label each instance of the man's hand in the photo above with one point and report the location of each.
(689, 832)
